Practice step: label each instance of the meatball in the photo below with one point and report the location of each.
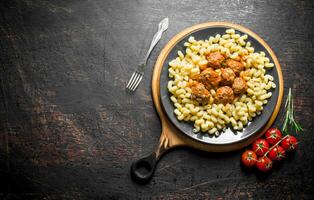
(224, 95)
(227, 76)
(200, 93)
(236, 66)
(215, 59)
(239, 85)
(209, 78)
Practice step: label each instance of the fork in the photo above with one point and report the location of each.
(138, 74)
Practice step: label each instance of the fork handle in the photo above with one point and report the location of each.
(163, 25)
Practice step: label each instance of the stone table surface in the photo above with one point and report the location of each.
(68, 129)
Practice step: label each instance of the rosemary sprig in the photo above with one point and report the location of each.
(289, 122)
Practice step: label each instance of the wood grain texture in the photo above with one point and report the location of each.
(70, 131)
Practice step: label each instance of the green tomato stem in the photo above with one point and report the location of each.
(265, 155)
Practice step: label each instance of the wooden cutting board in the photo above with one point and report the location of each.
(170, 136)
(142, 170)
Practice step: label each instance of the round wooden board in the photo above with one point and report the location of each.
(171, 137)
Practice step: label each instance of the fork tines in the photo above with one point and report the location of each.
(134, 81)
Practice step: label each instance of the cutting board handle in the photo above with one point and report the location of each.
(143, 169)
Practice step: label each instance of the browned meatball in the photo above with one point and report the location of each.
(239, 85)
(224, 95)
(236, 66)
(199, 92)
(227, 76)
(215, 59)
(209, 78)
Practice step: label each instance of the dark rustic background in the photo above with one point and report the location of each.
(70, 131)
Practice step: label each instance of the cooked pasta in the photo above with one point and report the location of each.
(211, 116)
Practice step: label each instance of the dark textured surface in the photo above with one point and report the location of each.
(70, 131)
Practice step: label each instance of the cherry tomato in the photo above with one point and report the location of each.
(260, 146)
(249, 158)
(289, 143)
(273, 135)
(276, 153)
(264, 164)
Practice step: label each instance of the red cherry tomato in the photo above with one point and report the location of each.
(260, 146)
(249, 158)
(289, 143)
(273, 135)
(276, 153)
(264, 164)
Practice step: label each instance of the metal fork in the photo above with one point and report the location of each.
(137, 75)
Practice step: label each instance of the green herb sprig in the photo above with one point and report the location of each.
(289, 121)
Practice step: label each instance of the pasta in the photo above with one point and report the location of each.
(212, 117)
